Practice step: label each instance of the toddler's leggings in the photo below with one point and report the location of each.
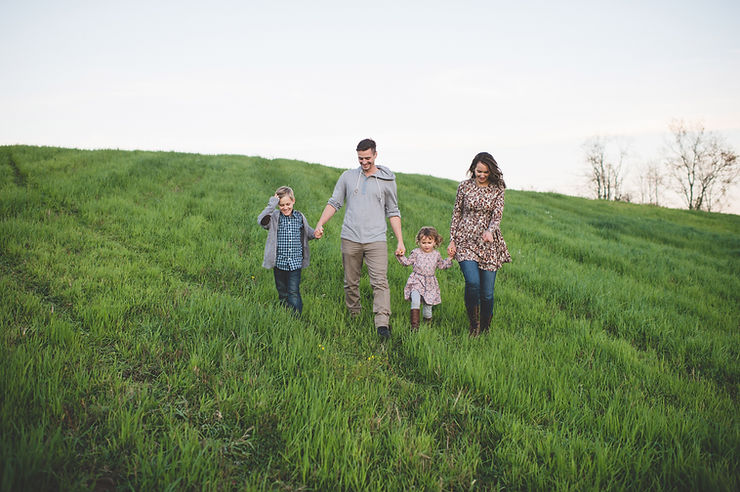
(417, 302)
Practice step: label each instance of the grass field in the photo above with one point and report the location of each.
(143, 348)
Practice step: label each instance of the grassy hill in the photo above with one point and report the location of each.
(142, 346)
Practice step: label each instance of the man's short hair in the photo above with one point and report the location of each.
(366, 144)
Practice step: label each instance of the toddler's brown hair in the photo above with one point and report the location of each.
(429, 231)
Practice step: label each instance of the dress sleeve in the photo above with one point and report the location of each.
(457, 212)
(407, 261)
(498, 211)
(443, 263)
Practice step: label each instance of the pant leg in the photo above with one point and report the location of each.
(281, 284)
(426, 310)
(487, 283)
(352, 255)
(376, 259)
(294, 299)
(415, 299)
(471, 272)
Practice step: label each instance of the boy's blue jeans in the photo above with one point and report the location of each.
(478, 287)
(288, 284)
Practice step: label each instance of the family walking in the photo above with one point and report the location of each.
(369, 196)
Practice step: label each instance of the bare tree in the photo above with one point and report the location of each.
(651, 184)
(703, 167)
(605, 169)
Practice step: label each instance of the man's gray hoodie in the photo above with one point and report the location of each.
(370, 201)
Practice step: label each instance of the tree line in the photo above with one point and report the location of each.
(697, 164)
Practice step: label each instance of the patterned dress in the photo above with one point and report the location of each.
(422, 277)
(478, 209)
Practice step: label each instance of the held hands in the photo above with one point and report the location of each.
(487, 237)
(400, 249)
(318, 232)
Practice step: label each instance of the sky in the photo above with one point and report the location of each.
(432, 82)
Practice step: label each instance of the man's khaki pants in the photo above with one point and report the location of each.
(375, 256)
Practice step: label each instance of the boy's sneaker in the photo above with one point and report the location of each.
(384, 332)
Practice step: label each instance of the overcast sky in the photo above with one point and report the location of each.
(432, 82)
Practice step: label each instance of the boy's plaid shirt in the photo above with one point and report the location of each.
(289, 242)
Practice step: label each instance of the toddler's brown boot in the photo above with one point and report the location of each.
(415, 319)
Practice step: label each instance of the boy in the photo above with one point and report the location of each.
(286, 248)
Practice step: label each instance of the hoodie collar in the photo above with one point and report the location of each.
(382, 173)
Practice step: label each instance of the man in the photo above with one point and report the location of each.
(370, 195)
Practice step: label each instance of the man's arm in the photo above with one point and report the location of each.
(335, 203)
(396, 227)
(327, 214)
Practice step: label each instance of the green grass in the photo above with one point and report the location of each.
(142, 346)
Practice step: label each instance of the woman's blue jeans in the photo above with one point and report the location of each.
(288, 284)
(478, 287)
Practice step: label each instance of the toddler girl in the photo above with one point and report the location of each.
(422, 287)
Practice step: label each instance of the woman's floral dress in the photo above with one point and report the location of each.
(422, 277)
(477, 209)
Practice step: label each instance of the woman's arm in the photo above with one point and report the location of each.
(457, 213)
(496, 215)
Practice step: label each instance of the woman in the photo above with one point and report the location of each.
(475, 237)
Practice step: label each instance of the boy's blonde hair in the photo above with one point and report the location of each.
(284, 191)
(429, 231)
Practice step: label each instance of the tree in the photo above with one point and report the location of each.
(605, 170)
(651, 184)
(702, 166)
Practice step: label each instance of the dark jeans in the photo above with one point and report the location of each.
(289, 288)
(478, 287)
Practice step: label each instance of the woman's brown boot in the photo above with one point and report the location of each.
(485, 323)
(415, 319)
(474, 318)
